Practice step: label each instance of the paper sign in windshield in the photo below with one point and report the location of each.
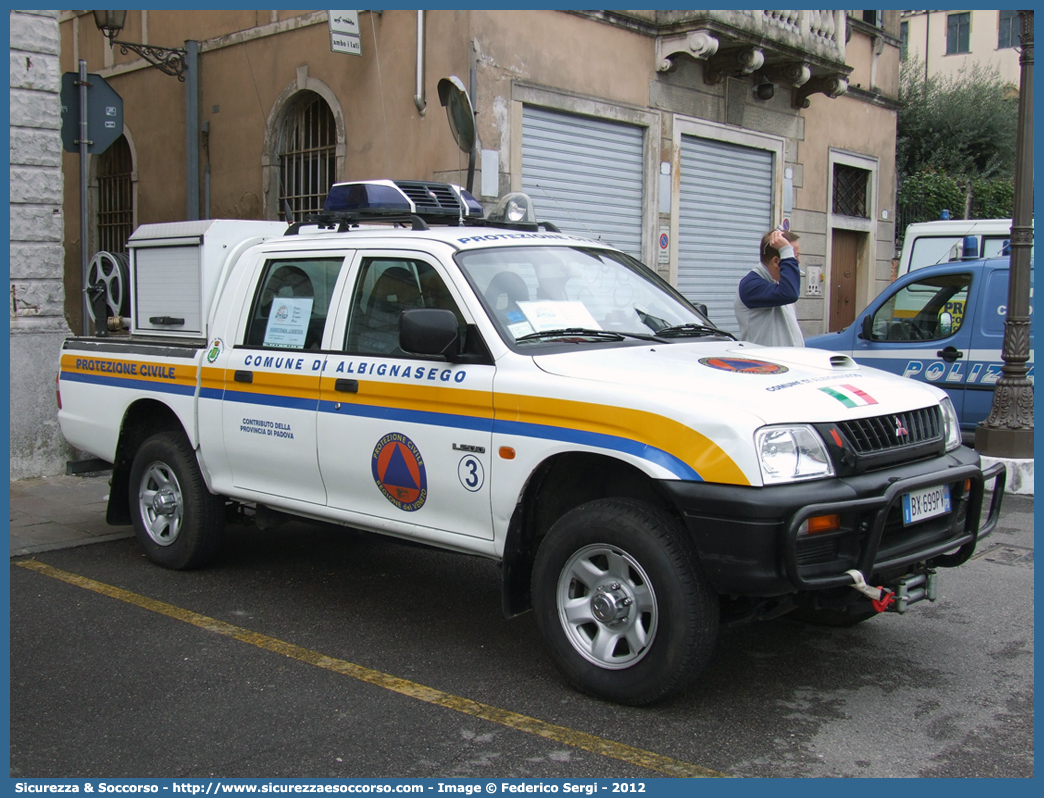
(549, 315)
(288, 322)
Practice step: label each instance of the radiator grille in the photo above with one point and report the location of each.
(894, 431)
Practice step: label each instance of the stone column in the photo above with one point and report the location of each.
(36, 301)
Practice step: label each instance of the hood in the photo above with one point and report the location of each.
(775, 384)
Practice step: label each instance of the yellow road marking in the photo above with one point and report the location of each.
(512, 720)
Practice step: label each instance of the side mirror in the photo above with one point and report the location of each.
(945, 325)
(866, 330)
(429, 331)
(703, 310)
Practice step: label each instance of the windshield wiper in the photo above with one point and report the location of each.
(603, 335)
(695, 330)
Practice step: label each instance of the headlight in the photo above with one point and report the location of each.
(951, 424)
(791, 454)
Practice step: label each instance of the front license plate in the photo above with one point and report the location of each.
(927, 503)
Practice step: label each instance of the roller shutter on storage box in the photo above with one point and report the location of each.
(585, 175)
(168, 289)
(724, 208)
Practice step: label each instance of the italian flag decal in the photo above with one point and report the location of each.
(850, 396)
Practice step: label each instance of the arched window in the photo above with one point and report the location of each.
(307, 155)
(115, 197)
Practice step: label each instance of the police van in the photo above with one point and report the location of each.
(403, 365)
(941, 325)
(948, 240)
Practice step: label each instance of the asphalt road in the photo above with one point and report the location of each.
(105, 685)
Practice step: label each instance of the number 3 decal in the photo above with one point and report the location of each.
(471, 473)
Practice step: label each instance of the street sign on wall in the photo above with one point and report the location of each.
(344, 32)
(104, 113)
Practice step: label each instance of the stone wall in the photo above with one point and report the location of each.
(36, 299)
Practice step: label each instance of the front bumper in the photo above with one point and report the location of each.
(751, 543)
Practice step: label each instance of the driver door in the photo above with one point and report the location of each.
(921, 331)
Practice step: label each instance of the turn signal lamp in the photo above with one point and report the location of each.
(821, 523)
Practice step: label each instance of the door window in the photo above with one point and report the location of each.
(927, 310)
(385, 288)
(291, 304)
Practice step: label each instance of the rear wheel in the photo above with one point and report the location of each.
(621, 603)
(178, 521)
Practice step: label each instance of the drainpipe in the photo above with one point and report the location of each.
(418, 98)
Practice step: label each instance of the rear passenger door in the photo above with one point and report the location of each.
(404, 438)
(271, 378)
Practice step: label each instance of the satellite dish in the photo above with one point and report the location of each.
(454, 98)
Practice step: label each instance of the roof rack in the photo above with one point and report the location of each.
(344, 222)
(414, 202)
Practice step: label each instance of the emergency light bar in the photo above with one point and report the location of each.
(376, 198)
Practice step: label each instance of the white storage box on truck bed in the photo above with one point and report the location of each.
(175, 270)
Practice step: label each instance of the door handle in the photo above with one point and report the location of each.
(244, 376)
(949, 354)
(346, 386)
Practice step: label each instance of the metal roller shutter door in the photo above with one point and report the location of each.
(724, 208)
(585, 176)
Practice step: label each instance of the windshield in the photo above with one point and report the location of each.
(532, 292)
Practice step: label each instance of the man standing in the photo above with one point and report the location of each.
(765, 300)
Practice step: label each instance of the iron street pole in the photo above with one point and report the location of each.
(1008, 431)
(85, 252)
(191, 130)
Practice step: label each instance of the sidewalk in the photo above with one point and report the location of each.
(60, 512)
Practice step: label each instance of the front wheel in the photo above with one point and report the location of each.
(177, 520)
(621, 603)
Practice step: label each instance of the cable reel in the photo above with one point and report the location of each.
(109, 272)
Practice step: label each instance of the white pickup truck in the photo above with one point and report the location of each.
(503, 389)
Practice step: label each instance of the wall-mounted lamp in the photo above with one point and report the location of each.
(168, 60)
(110, 23)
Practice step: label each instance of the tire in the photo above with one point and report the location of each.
(621, 603)
(178, 521)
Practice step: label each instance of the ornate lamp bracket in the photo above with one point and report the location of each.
(165, 59)
(699, 45)
(830, 85)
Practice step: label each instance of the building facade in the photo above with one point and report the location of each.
(679, 136)
(948, 42)
(37, 299)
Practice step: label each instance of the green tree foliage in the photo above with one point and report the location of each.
(924, 195)
(993, 199)
(962, 126)
(955, 146)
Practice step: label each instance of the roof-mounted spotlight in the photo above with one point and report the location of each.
(515, 208)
